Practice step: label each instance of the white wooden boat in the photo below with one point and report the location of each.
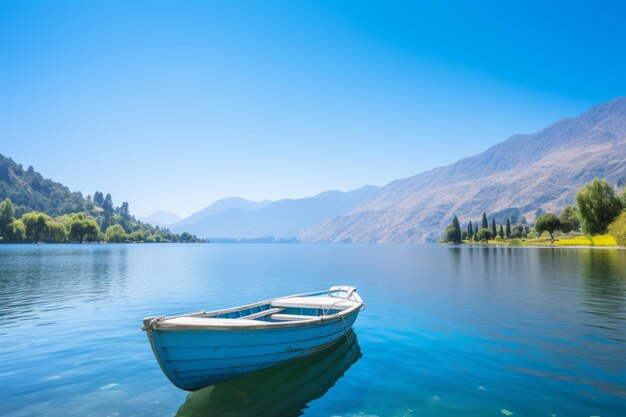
(200, 349)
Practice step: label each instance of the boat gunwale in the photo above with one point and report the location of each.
(159, 323)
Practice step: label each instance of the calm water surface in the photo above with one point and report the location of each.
(446, 331)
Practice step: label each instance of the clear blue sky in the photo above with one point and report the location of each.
(174, 104)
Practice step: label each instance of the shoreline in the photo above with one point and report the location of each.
(504, 245)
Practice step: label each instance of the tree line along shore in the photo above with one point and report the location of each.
(597, 219)
(103, 223)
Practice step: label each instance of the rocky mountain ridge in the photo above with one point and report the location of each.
(529, 172)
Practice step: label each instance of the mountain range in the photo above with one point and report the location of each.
(542, 170)
(161, 218)
(243, 219)
(523, 174)
(516, 178)
(220, 206)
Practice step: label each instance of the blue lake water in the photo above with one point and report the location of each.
(446, 331)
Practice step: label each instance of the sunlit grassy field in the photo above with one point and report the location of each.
(600, 240)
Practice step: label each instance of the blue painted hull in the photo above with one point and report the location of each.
(193, 359)
(283, 390)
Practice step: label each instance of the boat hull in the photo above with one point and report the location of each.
(283, 390)
(193, 359)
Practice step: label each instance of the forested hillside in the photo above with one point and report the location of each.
(36, 209)
(30, 191)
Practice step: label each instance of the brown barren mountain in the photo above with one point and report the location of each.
(540, 170)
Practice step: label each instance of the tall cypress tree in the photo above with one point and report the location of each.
(508, 228)
(453, 231)
(494, 231)
(485, 224)
(98, 198)
(107, 207)
(455, 223)
(470, 231)
(501, 232)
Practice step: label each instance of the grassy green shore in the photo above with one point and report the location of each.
(597, 220)
(571, 241)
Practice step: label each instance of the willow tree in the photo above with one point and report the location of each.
(35, 223)
(483, 235)
(7, 216)
(598, 206)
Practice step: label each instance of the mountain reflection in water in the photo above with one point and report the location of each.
(284, 390)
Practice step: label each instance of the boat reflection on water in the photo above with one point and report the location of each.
(283, 390)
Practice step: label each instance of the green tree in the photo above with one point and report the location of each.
(136, 236)
(107, 212)
(550, 223)
(115, 234)
(35, 223)
(452, 234)
(470, 230)
(84, 229)
(116, 219)
(483, 235)
(618, 229)
(107, 205)
(456, 224)
(508, 228)
(598, 206)
(494, 231)
(570, 219)
(56, 232)
(501, 232)
(92, 231)
(485, 223)
(154, 238)
(517, 232)
(125, 217)
(98, 198)
(7, 214)
(453, 231)
(66, 220)
(16, 232)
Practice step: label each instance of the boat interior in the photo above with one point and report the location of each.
(291, 309)
(304, 307)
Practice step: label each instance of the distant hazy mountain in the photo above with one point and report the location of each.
(540, 170)
(161, 218)
(220, 206)
(280, 219)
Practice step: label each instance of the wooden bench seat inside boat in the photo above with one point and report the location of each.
(325, 303)
(261, 314)
(292, 317)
